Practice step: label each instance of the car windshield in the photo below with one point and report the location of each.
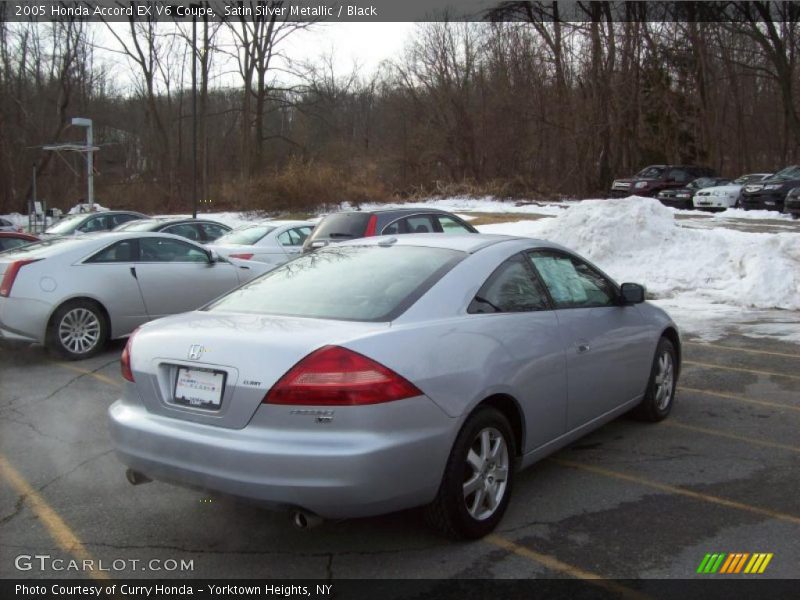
(138, 225)
(66, 225)
(351, 283)
(792, 172)
(246, 236)
(650, 172)
(745, 179)
(702, 182)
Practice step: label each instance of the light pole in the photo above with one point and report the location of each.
(194, 114)
(79, 122)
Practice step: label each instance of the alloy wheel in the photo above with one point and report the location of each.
(486, 477)
(664, 381)
(79, 330)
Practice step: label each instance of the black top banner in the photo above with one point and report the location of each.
(397, 11)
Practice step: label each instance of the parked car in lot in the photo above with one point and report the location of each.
(347, 225)
(682, 197)
(74, 293)
(792, 204)
(272, 242)
(197, 230)
(655, 178)
(723, 197)
(91, 222)
(392, 372)
(14, 239)
(6, 225)
(771, 193)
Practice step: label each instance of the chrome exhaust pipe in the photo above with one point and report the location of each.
(305, 520)
(136, 478)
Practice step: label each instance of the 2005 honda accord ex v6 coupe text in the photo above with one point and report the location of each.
(391, 372)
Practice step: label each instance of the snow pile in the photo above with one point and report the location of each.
(85, 207)
(639, 240)
(487, 204)
(757, 215)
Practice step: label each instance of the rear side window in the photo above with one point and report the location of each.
(124, 251)
(214, 231)
(419, 224)
(572, 283)
(120, 219)
(95, 224)
(341, 226)
(291, 237)
(450, 225)
(187, 230)
(513, 287)
(247, 236)
(353, 283)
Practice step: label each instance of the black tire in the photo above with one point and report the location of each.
(90, 330)
(655, 406)
(449, 512)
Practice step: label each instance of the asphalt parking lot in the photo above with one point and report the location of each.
(631, 500)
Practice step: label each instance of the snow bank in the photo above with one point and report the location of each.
(487, 204)
(638, 239)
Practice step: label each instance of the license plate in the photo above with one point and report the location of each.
(202, 388)
(769, 202)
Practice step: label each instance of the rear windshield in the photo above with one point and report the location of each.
(44, 248)
(341, 226)
(352, 283)
(247, 236)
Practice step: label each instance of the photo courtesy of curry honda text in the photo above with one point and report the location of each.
(392, 372)
(75, 293)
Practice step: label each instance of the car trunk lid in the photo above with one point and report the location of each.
(216, 368)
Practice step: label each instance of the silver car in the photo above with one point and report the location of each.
(386, 373)
(272, 242)
(74, 293)
(92, 222)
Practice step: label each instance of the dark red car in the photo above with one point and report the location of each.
(656, 178)
(12, 239)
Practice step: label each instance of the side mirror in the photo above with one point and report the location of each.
(632, 293)
(213, 257)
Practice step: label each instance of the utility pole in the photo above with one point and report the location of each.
(194, 116)
(89, 157)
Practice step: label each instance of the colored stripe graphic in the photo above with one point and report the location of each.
(734, 563)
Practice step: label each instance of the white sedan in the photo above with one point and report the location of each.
(75, 293)
(271, 242)
(722, 197)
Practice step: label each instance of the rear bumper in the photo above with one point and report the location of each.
(283, 460)
(713, 202)
(24, 319)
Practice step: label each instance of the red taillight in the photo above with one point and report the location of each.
(241, 256)
(11, 274)
(372, 225)
(336, 376)
(125, 359)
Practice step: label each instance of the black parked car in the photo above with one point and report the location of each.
(341, 226)
(655, 178)
(198, 230)
(682, 197)
(791, 205)
(771, 193)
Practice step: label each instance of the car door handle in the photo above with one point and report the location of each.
(583, 346)
(133, 272)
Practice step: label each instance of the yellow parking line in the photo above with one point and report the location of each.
(727, 368)
(739, 398)
(556, 565)
(97, 376)
(672, 489)
(732, 436)
(747, 350)
(58, 529)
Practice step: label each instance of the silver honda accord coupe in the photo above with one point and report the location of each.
(75, 293)
(392, 372)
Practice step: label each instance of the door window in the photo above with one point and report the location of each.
(120, 219)
(166, 250)
(95, 224)
(214, 231)
(187, 230)
(420, 224)
(513, 287)
(572, 283)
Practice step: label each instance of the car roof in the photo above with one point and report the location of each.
(399, 211)
(275, 223)
(466, 242)
(18, 234)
